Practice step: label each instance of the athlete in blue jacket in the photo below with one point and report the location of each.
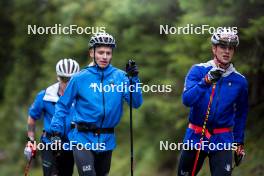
(44, 105)
(228, 110)
(99, 92)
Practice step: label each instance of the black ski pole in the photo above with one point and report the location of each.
(131, 131)
(131, 62)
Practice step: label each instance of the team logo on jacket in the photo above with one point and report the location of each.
(93, 85)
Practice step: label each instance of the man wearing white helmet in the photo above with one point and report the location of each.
(218, 99)
(97, 112)
(44, 105)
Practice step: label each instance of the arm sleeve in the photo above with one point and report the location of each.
(194, 87)
(137, 98)
(62, 108)
(241, 111)
(36, 109)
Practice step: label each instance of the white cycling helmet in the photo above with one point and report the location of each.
(67, 67)
(225, 36)
(102, 39)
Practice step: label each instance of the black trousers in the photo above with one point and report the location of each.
(220, 162)
(90, 163)
(61, 165)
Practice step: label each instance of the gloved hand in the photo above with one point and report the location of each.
(56, 140)
(30, 150)
(214, 75)
(131, 68)
(239, 154)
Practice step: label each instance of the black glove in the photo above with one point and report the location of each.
(239, 154)
(214, 75)
(131, 68)
(56, 139)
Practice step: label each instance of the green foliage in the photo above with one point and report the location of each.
(28, 66)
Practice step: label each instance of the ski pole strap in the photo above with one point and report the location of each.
(87, 127)
(209, 133)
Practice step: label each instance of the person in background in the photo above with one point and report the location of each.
(44, 106)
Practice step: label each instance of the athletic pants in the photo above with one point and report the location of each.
(220, 162)
(90, 163)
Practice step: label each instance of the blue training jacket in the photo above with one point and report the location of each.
(44, 104)
(102, 108)
(229, 106)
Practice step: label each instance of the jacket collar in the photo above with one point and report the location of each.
(96, 70)
(228, 71)
(51, 93)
